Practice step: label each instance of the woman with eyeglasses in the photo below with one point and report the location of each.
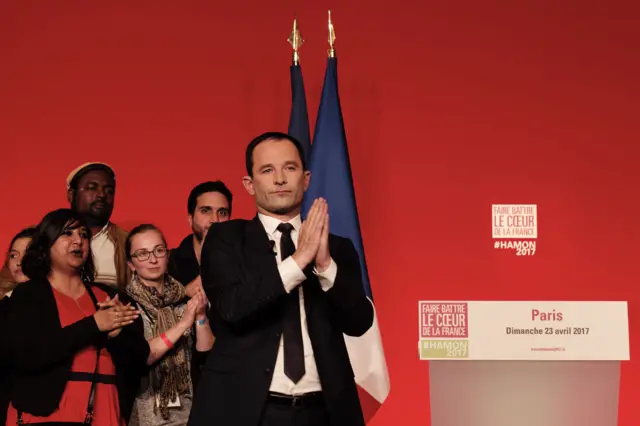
(74, 345)
(166, 392)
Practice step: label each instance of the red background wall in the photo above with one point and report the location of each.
(449, 107)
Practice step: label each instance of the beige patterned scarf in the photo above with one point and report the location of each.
(170, 375)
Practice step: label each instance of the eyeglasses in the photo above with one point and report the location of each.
(158, 252)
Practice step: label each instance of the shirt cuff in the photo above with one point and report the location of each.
(328, 277)
(291, 274)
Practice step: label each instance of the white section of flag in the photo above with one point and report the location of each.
(368, 362)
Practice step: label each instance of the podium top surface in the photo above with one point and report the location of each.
(523, 330)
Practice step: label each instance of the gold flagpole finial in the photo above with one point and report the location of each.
(332, 38)
(295, 40)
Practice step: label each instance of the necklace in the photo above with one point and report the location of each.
(75, 300)
(85, 313)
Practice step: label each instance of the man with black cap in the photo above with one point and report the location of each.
(91, 191)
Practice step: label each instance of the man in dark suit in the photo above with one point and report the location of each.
(208, 203)
(283, 292)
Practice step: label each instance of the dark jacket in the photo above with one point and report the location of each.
(183, 264)
(240, 276)
(184, 267)
(42, 351)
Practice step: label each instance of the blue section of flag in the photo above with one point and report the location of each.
(299, 118)
(331, 170)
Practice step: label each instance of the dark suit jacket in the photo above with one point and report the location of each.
(240, 276)
(42, 351)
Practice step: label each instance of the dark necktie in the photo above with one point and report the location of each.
(292, 329)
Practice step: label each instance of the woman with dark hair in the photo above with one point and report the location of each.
(74, 358)
(12, 274)
(166, 391)
(10, 277)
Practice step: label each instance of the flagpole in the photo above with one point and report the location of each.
(299, 117)
(295, 40)
(332, 38)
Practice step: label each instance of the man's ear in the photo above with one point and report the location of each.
(190, 219)
(307, 179)
(70, 194)
(247, 182)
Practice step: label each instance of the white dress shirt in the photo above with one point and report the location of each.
(292, 276)
(104, 252)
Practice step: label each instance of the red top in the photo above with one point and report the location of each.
(73, 404)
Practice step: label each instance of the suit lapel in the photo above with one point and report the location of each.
(257, 239)
(259, 253)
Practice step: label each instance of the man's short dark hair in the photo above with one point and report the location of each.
(269, 136)
(203, 188)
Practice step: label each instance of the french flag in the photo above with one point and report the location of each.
(331, 178)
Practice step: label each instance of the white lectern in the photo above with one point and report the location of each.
(524, 363)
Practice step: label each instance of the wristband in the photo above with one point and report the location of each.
(201, 322)
(166, 341)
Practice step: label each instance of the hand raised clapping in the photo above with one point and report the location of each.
(313, 239)
(196, 308)
(112, 315)
(193, 287)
